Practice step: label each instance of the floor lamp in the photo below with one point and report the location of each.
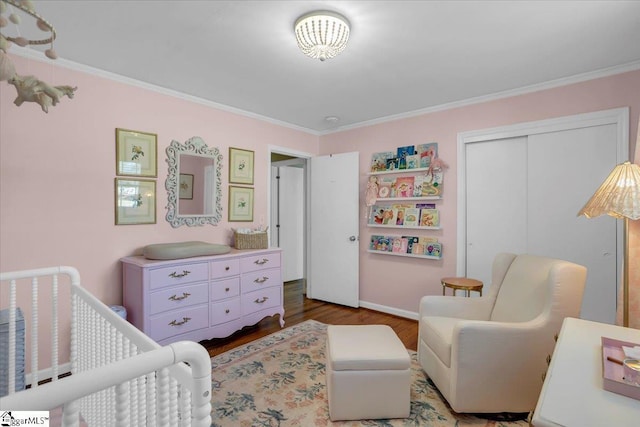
(619, 197)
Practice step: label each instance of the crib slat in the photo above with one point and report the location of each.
(34, 332)
(54, 328)
(12, 338)
(146, 385)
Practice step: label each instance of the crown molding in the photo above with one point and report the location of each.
(28, 53)
(565, 81)
(604, 72)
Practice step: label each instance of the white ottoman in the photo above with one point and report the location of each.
(368, 373)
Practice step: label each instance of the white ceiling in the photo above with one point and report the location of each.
(403, 56)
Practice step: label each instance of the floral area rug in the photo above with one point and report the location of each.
(279, 380)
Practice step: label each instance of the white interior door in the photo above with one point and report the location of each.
(333, 274)
(291, 221)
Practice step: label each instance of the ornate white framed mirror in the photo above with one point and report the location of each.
(193, 183)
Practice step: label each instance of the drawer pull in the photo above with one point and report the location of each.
(261, 280)
(259, 262)
(185, 295)
(226, 289)
(176, 275)
(227, 268)
(261, 300)
(227, 311)
(175, 323)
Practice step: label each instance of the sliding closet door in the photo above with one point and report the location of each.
(522, 187)
(496, 204)
(565, 168)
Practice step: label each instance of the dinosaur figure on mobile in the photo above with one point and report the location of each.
(29, 88)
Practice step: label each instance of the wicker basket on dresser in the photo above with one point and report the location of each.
(203, 297)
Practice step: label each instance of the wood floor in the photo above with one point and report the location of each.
(298, 308)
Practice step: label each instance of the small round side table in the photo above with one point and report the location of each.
(461, 283)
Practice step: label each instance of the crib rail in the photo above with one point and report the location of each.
(119, 375)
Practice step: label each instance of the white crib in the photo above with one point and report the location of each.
(119, 376)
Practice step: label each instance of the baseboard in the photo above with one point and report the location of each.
(390, 310)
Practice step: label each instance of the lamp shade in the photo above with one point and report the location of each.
(322, 34)
(618, 196)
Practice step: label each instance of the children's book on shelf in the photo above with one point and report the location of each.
(392, 163)
(429, 218)
(389, 216)
(404, 186)
(411, 217)
(432, 183)
(425, 205)
(426, 152)
(413, 161)
(411, 240)
(385, 187)
(400, 215)
(403, 152)
(377, 213)
(379, 160)
(399, 245)
(434, 249)
(380, 243)
(417, 185)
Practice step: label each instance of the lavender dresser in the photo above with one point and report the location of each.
(204, 297)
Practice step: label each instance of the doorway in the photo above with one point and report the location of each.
(288, 218)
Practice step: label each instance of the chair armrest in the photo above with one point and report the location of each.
(496, 353)
(450, 306)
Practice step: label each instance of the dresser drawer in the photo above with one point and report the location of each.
(260, 280)
(225, 311)
(177, 297)
(225, 268)
(259, 262)
(259, 300)
(226, 288)
(177, 322)
(177, 275)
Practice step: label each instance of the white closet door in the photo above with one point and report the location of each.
(496, 205)
(523, 187)
(565, 168)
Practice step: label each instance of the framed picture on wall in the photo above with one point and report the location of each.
(135, 201)
(136, 153)
(186, 186)
(240, 166)
(240, 203)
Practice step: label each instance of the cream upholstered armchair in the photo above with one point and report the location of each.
(488, 354)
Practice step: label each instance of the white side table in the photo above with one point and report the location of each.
(573, 392)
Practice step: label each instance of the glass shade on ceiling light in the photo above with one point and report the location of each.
(322, 35)
(618, 196)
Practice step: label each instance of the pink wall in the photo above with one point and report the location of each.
(400, 282)
(58, 170)
(56, 187)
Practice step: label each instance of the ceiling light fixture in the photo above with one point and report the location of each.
(322, 34)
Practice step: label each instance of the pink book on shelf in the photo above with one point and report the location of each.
(400, 245)
(404, 186)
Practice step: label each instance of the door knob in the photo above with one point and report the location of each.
(352, 238)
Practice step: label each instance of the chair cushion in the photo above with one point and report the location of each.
(437, 333)
(524, 291)
(183, 250)
(365, 347)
